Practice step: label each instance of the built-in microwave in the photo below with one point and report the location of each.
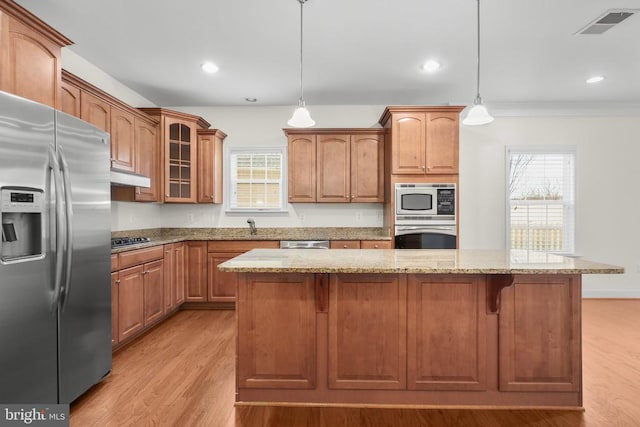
(425, 203)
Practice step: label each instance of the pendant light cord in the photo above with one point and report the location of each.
(301, 100)
(478, 99)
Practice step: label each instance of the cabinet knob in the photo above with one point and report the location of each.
(344, 246)
(375, 246)
(423, 167)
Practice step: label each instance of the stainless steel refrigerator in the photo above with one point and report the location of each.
(55, 287)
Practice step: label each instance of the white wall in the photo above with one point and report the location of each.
(607, 181)
(608, 177)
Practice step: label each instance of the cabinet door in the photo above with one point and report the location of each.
(31, 65)
(196, 271)
(408, 143)
(367, 168)
(130, 302)
(302, 168)
(222, 284)
(180, 161)
(147, 145)
(376, 244)
(446, 338)
(367, 331)
(153, 291)
(115, 282)
(345, 244)
(179, 272)
(539, 334)
(169, 278)
(442, 143)
(122, 140)
(70, 99)
(333, 162)
(209, 168)
(95, 111)
(276, 331)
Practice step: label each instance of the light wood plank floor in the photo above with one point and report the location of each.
(182, 374)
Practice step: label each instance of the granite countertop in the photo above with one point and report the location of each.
(441, 261)
(161, 236)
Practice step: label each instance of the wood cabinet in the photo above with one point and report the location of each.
(376, 244)
(302, 168)
(174, 276)
(446, 346)
(130, 302)
(31, 61)
(222, 284)
(96, 111)
(179, 273)
(70, 99)
(424, 140)
(336, 165)
(210, 165)
(196, 271)
(345, 244)
(539, 334)
(147, 155)
(122, 131)
(153, 282)
(277, 331)
(180, 153)
(115, 285)
(367, 332)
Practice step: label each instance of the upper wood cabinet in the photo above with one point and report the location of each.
(424, 140)
(122, 140)
(147, 155)
(96, 111)
(30, 56)
(180, 153)
(210, 165)
(336, 165)
(70, 99)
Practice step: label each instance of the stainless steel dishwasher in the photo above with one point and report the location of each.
(304, 244)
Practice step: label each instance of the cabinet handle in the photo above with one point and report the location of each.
(118, 282)
(322, 292)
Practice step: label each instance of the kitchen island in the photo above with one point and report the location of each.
(410, 327)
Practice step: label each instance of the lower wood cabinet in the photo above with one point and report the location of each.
(196, 272)
(115, 282)
(367, 331)
(457, 331)
(174, 276)
(277, 331)
(445, 339)
(539, 333)
(130, 302)
(153, 280)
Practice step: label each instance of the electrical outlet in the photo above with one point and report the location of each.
(358, 216)
(190, 218)
(132, 218)
(301, 216)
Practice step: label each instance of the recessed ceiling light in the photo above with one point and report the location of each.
(431, 66)
(251, 99)
(595, 79)
(209, 67)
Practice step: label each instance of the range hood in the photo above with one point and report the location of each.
(119, 177)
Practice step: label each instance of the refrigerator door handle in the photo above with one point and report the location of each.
(69, 228)
(54, 165)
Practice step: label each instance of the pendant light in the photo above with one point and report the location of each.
(301, 117)
(478, 114)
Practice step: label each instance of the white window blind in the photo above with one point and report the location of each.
(541, 199)
(256, 180)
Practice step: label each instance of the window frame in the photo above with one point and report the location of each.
(282, 151)
(538, 150)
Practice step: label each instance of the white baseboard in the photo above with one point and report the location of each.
(610, 293)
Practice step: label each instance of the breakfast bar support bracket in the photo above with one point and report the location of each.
(322, 292)
(495, 284)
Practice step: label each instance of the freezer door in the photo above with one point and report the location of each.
(28, 342)
(85, 313)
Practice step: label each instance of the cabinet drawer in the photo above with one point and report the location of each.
(376, 244)
(114, 262)
(345, 244)
(240, 245)
(140, 256)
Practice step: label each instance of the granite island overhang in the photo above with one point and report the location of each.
(432, 328)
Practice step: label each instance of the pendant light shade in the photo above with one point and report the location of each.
(301, 117)
(478, 114)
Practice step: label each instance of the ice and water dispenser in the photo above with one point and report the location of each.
(21, 210)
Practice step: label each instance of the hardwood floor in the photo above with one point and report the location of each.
(182, 374)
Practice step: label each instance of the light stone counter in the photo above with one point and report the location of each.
(443, 261)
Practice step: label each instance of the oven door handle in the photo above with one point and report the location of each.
(448, 230)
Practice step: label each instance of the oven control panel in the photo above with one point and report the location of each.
(446, 204)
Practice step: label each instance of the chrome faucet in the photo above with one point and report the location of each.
(252, 226)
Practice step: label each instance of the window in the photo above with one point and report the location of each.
(541, 195)
(256, 182)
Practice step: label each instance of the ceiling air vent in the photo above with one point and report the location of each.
(607, 20)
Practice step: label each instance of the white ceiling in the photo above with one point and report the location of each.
(355, 51)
